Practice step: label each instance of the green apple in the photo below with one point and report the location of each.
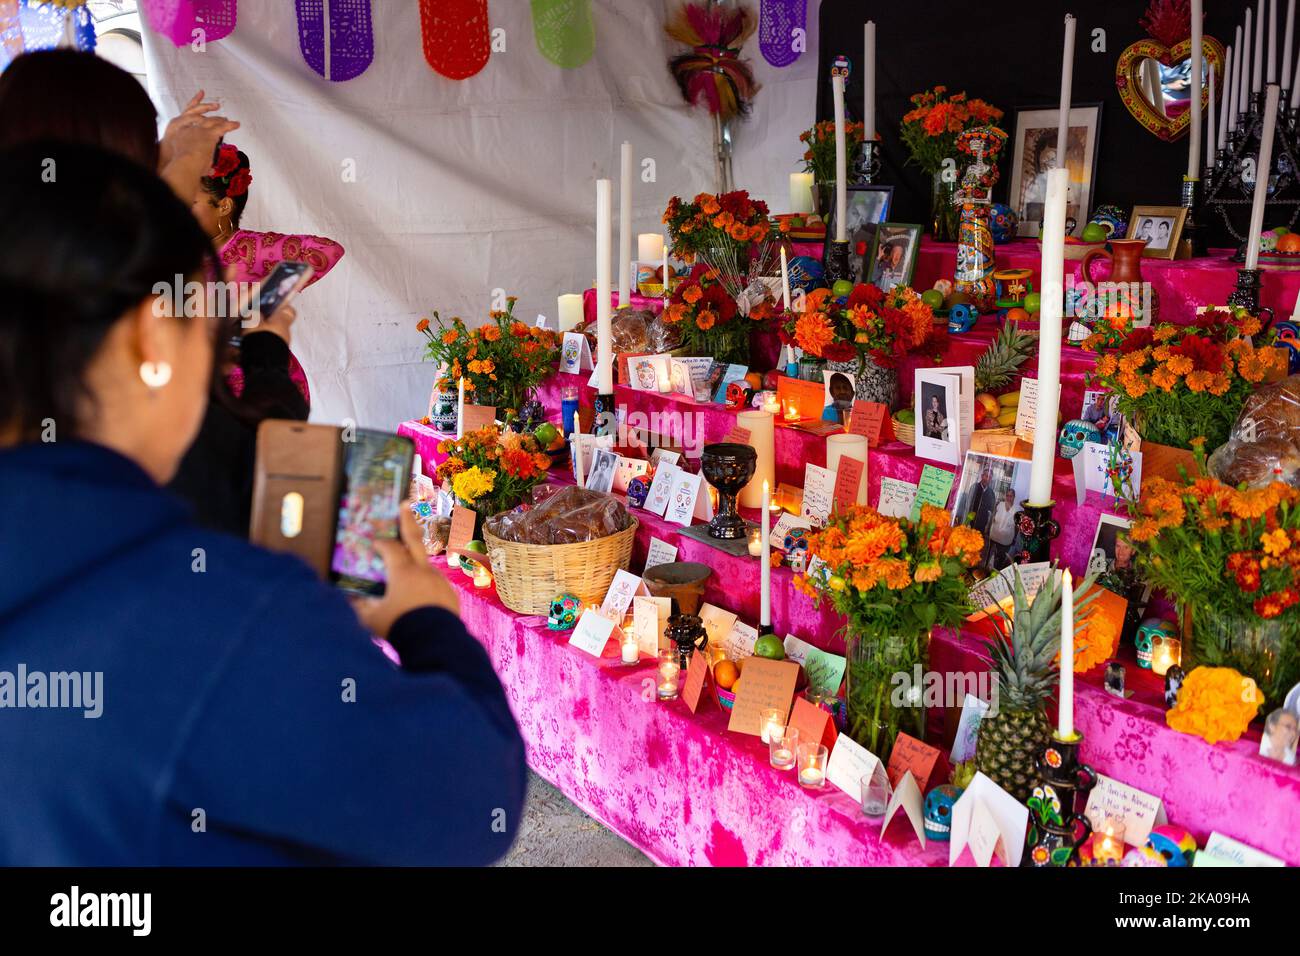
(1094, 232)
(1033, 302)
(545, 434)
(933, 298)
(842, 287)
(769, 646)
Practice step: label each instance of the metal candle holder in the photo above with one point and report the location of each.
(1037, 528)
(1246, 295)
(836, 263)
(1056, 828)
(867, 171)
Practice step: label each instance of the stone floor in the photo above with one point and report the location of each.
(557, 833)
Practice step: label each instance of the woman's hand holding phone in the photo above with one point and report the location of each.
(412, 582)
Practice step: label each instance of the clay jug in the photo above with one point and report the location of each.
(1125, 292)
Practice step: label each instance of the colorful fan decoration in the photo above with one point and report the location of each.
(565, 31)
(712, 72)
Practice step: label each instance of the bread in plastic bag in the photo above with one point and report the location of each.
(568, 516)
(1257, 464)
(1272, 411)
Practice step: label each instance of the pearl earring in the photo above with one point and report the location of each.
(155, 374)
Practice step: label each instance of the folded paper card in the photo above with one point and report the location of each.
(1140, 810)
(909, 755)
(1010, 818)
(968, 728)
(933, 489)
(871, 420)
(1235, 853)
(825, 670)
(908, 796)
(799, 399)
(849, 763)
(592, 632)
(698, 678)
(717, 622)
(740, 640)
(896, 497)
(818, 491)
(813, 723)
(660, 552)
(650, 619)
(575, 353)
(622, 589)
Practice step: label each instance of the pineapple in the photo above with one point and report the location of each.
(1009, 743)
(997, 366)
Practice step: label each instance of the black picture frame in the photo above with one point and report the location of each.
(861, 236)
(1014, 155)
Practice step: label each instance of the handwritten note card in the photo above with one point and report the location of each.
(462, 530)
(694, 690)
(825, 670)
(813, 723)
(717, 622)
(933, 489)
(1027, 410)
(592, 633)
(1140, 810)
(911, 756)
(660, 552)
(818, 488)
(848, 764)
(764, 685)
(896, 497)
(649, 619)
(740, 640)
(871, 420)
(848, 477)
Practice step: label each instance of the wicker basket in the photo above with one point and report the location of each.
(529, 576)
(903, 432)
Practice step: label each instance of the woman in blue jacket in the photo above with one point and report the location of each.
(170, 695)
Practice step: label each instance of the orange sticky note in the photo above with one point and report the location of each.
(910, 754)
(697, 682)
(871, 420)
(807, 398)
(474, 417)
(462, 529)
(848, 476)
(813, 723)
(764, 685)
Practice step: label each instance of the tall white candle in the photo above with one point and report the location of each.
(1257, 64)
(785, 282)
(1286, 42)
(1243, 96)
(604, 312)
(576, 450)
(1211, 139)
(765, 562)
(625, 227)
(762, 437)
(1067, 80)
(1194, 101)
(1049, 336)
(569, 308)
(1227, 114)
(664, 242)
(460, 410)
(1271, 72)
(841, 164)
(869, 82)
(1065, 712)
(1261, 177)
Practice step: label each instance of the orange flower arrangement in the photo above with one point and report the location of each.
(866, 323)
(491, 470)
(931, 128)
(731, 221)
(819, 156)
(1215, 703)
(1182, 382)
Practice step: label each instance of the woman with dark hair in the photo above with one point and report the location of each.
(239, 712)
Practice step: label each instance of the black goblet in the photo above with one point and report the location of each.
(728, 466)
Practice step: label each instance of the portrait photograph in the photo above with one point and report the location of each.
(1281, 732)
(893, 256)
(868, 209)
(840, 392)
(603, 466)
(988, 499)
(1034, 156)
(1102, 409)
(1160, 226)
(934, 421)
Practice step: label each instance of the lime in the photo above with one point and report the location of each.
(1033, 302)
(1094, 232)
(841, 288)
(933, 298)
(478, 547)
(769, 646)
(906, 415)
(545, 434)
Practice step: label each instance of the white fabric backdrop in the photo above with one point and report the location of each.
(462, 187)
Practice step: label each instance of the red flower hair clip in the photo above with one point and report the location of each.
(227, 169)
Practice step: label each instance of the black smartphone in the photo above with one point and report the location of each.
(376, 475)
(274, 292)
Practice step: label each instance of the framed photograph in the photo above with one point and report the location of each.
(841, 389)
(1035, 154)
(601, 476)
(1160, 226)
(868, 209)
(988, 500)
(1108, 551)
(893, 254)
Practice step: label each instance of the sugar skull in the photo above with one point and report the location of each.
(795, 544)
(1151, 633)
(961, 317)
(738, 395)
(638, 489)
(1111, 218)
(1075, 434)
(938, 811)
(1268, 241)
(1170, 843)
(1003, 222)
(564, 612)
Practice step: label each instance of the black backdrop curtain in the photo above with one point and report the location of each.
(1008, 52)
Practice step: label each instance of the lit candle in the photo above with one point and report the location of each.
(1257, 65)
(1286, 41)
(1108, 841)
(1063, 117)
(781, 757)
(801, 196)
(765, 561)
(1194, 102)
(755, 542)
(785, 282)
(460, 410)
(1049, 336)
(811, 776)
(482, 576)
(772, 726)
(1065, 716)
(1271, 72)
(668, 675)
(791, 412)
(770, 403)
(604, 312)
(1261, 177)
(841, 164)
(631, 652)
(569, 308)
(1166, 654)
(665, 273)
(625, 227)
(1210, 139)
(1227, 115)
(869, 82)
(649, 247)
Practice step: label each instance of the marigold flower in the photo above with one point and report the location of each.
(1215, 703)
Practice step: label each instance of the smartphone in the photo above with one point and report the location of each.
(375, 476)
(296, 483)
(280, 286)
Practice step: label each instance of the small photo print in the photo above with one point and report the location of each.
(988, 500)
(601, 477)
(1281, 732)
(936, 420)
(1102, 410)
(1110, 552)
(1156, 230)
(840, 392)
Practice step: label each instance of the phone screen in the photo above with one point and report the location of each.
(376, 473)
(277, 287)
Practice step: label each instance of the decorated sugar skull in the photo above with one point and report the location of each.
(1003, 222)
(945, 286)
(796, 548)
(1170, 843)
(738, 395)
(1075, 434)
(1151, 634)
(638, 489)
(1268, 240)
(565, 609)
(938, 811)
(1111, 218)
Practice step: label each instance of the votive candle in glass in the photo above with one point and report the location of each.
(669, 675)
(1108, 842)
(755, 543)
(482, 577)
(781, 749)
(771, 724)
(1165, 655)
(631, 650)
(875, 795)
(810, 759)
(771, 404)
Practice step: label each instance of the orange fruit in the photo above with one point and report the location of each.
(1017, 315)
(755, 381)
(1288, 242)
(726, 674)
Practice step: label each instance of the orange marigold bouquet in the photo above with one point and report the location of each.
(931, 127)
(723, 228)
(894, 580)
(819, 154)
(710, 319)
(1232, 559)
(492, 470)
(867, 323)
(1180, 382)
(502, 361)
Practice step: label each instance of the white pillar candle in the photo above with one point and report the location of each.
(764, 560)
(841, 164)
(631, 651)
(1227, 115)
(569, 309)
(785, 282)
(1211, 139)
(1067, 79)
(649, 247)
(1065, 711)
(1261, 177)
(1295, 84)
(1243, 92)
(762, 428)
(1271, 71)
(869, 82)
(1194, 100)
(460, 410)
(663, 241)
(801, 197)
(625, 227)
(1286, 42)
(848, 446)
(1257, 64)
(1049, 336)
(604, 312)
